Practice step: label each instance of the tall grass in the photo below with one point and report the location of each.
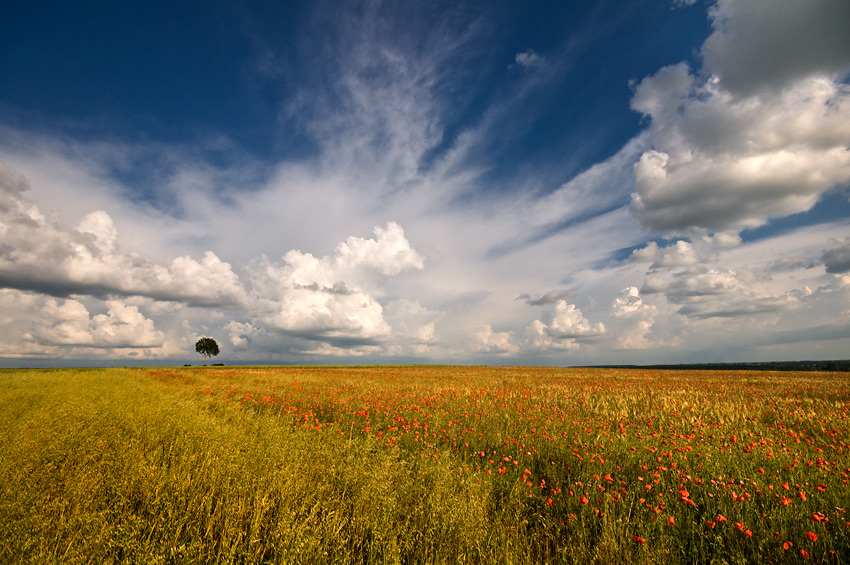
(314, 465)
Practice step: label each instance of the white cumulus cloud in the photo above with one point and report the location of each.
(529, 59)
(639, 318)
(69, 323)
(489, 341)
(761, 131)
(703, 292)
(44, 256)
(332, 298)
(34, 325)
(565, 327)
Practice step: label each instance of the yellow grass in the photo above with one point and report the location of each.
(422, 464)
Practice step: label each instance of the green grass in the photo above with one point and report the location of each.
(334, 464)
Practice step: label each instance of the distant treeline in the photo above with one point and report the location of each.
(838, 365)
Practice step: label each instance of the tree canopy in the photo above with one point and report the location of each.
(207, 347)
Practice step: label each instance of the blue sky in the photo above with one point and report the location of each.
(466, 182)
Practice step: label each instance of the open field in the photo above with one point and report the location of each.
(423, 464)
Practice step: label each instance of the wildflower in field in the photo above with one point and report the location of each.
(638, 539)
(819, 517)
(811, 536)
(804, 554)
(671, 521)
(787, 545)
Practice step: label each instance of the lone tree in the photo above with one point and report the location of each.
(207, 347)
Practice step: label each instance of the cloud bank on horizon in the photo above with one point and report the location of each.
(466, 182)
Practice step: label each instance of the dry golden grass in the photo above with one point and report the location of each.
(422, 464)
